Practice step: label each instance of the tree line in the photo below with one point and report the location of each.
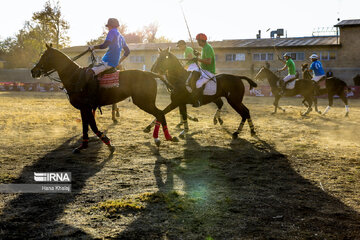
(49, 26)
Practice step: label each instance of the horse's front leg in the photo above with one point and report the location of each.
(276, 103)
(94, 128)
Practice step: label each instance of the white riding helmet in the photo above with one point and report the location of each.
(314, 56)
(287, 55)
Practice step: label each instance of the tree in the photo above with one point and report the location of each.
(46, 26)
(150, 32)
(52, 24)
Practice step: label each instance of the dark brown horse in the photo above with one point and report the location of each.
(229, 86)
(139, 85)
(334, 86)
(302, 87)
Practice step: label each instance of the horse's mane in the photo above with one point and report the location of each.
(62, 55)
(174, 58)
(268, 71)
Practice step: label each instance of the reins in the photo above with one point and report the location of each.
(56, 79)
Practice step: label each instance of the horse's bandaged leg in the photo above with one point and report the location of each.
(326, 110)
(156, 130)
(347, 108)
(166, 133)
(103, 138)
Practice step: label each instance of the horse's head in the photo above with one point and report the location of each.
(44, 65)
(304, 67)
(262, 74)
(164, 61)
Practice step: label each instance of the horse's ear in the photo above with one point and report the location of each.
(168, 49)
(47, 46)
(159, 49)
(51, 45)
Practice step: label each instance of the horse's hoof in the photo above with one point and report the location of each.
(195, 119)
(115, 121)
(147, 129)
(175, 139)
(215, 121)
(179, 125)
(221, 121)
(76, 151)
(273, 113)
(117, 114)
(347, 114)
(111, 148)
(319, 112)
(235, 135)
(253, 133)
(157, 142)
(283, 110)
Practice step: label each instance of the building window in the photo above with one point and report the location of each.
(235, 57)
(263, 56)
(328, 55)
(137, 59)
(297, 56)
(153, 58)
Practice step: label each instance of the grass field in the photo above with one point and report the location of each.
(298, 179)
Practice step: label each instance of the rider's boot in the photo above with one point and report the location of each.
(194, 76)
(282, 88)
(92, 88)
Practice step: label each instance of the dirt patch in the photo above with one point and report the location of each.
(298, 179)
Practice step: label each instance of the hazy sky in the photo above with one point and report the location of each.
(219, 19)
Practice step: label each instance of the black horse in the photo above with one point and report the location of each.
(139, 85)
(302, 87)
(334, 86)
(229, 86)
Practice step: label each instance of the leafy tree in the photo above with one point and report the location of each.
(52, 24)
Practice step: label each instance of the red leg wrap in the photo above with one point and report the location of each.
(166, 133)
(156, 130)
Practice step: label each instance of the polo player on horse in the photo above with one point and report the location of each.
(319, 73)
(290, 65)
(115, 42)
(200, 76)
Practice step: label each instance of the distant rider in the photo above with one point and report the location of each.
(319, 73)
(188, 53)
(290, 65)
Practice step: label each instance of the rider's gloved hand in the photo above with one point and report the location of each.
(196, 53)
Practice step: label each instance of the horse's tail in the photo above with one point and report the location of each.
(250, 81)
(168, 85)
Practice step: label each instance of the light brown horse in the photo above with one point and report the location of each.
(302, 87)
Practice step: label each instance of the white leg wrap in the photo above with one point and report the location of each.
(326, 110)
(347, 108)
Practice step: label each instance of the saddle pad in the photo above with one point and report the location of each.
(210, 86)
(109, 80)
(291, 85)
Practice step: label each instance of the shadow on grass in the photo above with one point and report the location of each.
(34, 215)
(247, 190)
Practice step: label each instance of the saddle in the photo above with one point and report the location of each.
(109, 78)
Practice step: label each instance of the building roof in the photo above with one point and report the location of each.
(352, 22)
(236, 43)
